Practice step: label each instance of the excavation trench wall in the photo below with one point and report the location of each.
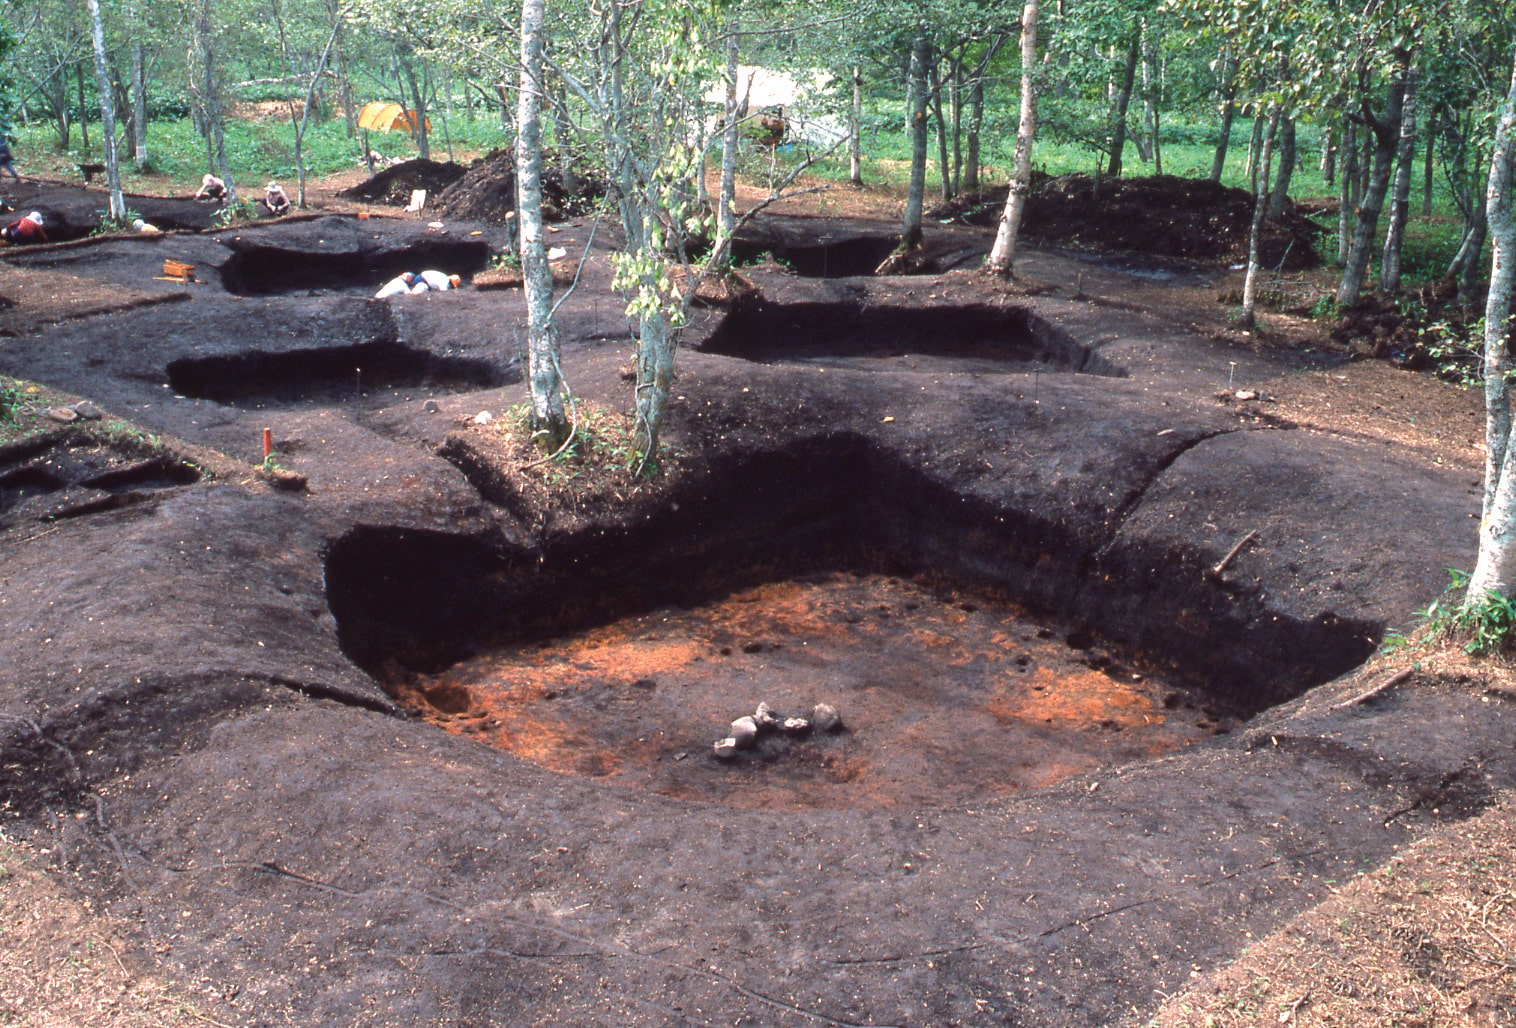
(414, 600)
(762, 331)
(260, 270)
(328, 373)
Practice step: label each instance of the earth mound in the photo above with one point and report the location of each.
(394, 185)
(488, 190)
(1175, 217)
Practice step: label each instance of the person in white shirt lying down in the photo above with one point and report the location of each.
(435, 280)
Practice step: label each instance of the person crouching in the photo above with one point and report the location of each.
(25, 229)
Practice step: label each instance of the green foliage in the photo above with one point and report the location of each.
(1484, 625)
(10, 399)
(1456, 349)
(238, 212)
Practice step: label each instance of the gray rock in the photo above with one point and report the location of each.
(88, 411)
(63, 414)
(725, 749)
(826, 718)
(431, 406)
(745, 731)
(766, 717)
(797, 725)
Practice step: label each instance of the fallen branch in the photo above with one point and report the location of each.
(1369, 694)
(1221, 564)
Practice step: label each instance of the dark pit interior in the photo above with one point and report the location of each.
(340, 374)
(974, 337)
(263, 270)
(78, 475)
(626, 656)
(820, 257)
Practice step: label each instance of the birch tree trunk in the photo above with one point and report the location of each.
(1003, 254)
(1249, 316)
(726, 201)
(1228, 111)
(1400, 193)
(139, 106)
(1495, 570)
(1348, 190)
(208, 87)
(1150, 89)
(107, 115)
(1386, 133)
(921, 51)
(854, 129)
(943, 162)
(1123, 103)
(548, 424)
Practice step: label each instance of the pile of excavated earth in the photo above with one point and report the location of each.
(354, 732)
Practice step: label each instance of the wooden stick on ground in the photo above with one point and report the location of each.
(1369, 694)
(1221, 564)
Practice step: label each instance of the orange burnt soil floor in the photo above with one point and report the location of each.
(944, 699)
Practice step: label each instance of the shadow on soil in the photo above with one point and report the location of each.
(330, 374)
(757, 330)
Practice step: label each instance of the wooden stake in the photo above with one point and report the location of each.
(1221, 564)
(268, 443)
(1369, 694)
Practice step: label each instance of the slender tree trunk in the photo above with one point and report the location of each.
(1150, 92)
(855, 130)
(971, 141)
(418, 109)
(83, 110)
(1329, 157)
(344, 84)
(107, 115)
(1348, 192)
(1249, 317)
(955, 92)
(1003, 254)
(921, 55)
(548, 423)
(726, 202)
(1464, 268)
(1429, 168)
(1123, 101)
(944, 164)
(1287, 158)
(563, 137)
(208, 86)
(1400, 193)
(139, 106)
(1386, 133)
(1228, 111)
(1255, 147)
(1495, 570)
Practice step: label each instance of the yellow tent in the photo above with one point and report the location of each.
(387, 117)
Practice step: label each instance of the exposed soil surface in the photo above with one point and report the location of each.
(1176, 218)
(1090, 576)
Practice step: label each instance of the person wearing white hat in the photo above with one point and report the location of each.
(276, 199)
(25, 229)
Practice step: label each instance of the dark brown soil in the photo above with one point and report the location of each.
(394, 184)
(487, 191)
(199, 717)
(1177, 218)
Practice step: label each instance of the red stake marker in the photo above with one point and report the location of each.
(268, 443)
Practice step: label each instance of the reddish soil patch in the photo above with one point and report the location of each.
(945, 699)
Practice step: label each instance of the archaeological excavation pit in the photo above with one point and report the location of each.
(978, 338)
(373, 372)
(625, 658)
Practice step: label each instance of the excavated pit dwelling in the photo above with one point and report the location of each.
(258, 267)
(978, 337)
(337, 374)
(972, 652)
(843, 257)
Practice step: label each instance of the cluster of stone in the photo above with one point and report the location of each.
(747, 729)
